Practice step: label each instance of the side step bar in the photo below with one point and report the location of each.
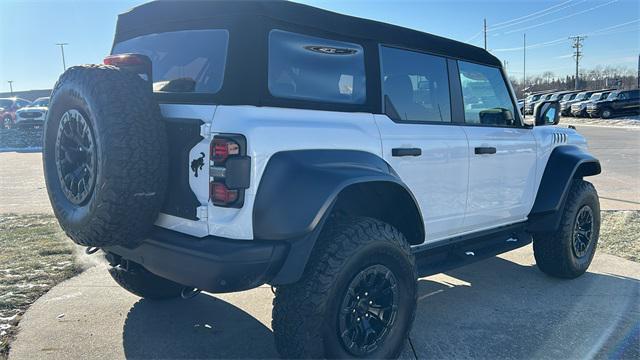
(457, 252)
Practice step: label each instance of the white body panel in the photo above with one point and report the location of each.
(458, 192)
(500, 185)
(271, 130)
(443, 165)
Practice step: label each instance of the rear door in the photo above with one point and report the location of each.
(502, 151)
(419, 139)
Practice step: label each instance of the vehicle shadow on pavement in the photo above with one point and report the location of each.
(492, 309)
(501, 309)
(202, 327)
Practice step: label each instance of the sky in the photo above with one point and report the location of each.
(29, 31)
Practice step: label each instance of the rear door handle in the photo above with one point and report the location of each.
(406, 152)
(482, 150)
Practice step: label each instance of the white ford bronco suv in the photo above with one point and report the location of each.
(225, 145)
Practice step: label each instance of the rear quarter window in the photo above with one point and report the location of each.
(316, 69)
(190, 61)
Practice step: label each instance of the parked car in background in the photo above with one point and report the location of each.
(617, 103)
(579, 109)
(530, 103)
(32, 115)
(8, 108)
(565, 104)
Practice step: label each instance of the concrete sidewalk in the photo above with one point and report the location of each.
(499, 308)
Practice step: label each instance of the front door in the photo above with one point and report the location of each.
(419, 140)
(502, 151)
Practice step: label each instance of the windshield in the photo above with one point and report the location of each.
(595, 96)
(40, 103)
(180, 61)
(581, 96)
(613, 95)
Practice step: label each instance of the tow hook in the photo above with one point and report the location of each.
(91, 250)
(189, 292)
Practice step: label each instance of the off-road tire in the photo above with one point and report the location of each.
(141, 282)
(305, 314)
(554, 251)
(130, 151)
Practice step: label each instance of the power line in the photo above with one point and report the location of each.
(534, 16)
(577, 45)
(561, 18)
(533, 13)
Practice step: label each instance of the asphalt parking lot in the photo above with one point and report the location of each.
(500, 308)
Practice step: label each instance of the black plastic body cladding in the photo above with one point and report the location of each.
(565, 164)
(297, 192)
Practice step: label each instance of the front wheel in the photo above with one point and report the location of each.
(568, 252)
(357, 297)
(7, 123)
(606, 113)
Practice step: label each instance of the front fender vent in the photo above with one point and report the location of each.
(560, 138)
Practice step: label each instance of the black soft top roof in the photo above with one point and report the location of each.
(167, 15)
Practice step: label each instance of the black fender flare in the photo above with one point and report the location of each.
(565, 164)
(297, 192)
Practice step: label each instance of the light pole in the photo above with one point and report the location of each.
(10, 86)
(64, 64)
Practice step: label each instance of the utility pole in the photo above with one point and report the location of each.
(505, 63)
(485, 33)
(10, 86)
(64, 64)
(638, 71)
(577, 45)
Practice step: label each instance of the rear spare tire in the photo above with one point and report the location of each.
(104, 155)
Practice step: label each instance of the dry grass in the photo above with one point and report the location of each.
(620, 234)
(35, 256)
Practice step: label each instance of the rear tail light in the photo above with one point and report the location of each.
(230, 170)
(221, 195)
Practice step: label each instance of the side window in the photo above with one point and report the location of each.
(623, 96)
(311, 68)
(415, 86)
(486, 97)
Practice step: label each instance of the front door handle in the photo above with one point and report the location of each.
(406, 152)
(482, 150)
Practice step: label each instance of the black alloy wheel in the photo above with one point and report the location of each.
(368, 310)
(75, 152)
(582, 231)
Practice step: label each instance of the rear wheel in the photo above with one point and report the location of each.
(568, 252)
(357, 297)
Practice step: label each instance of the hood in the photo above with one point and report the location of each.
(35, 108)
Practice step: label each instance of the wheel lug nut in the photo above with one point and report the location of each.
(366, 315)
(370, 302)
(366, 294)
(358, 319)
(354, 311)
(358, 297)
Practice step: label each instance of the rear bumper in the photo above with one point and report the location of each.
(211, 263)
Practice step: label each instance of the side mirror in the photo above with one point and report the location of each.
(547, 113)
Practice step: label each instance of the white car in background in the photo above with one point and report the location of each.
(34, 114)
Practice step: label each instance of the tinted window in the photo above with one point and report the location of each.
(183, 61)
(311, 68)
(415, 86)
(486, 97)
